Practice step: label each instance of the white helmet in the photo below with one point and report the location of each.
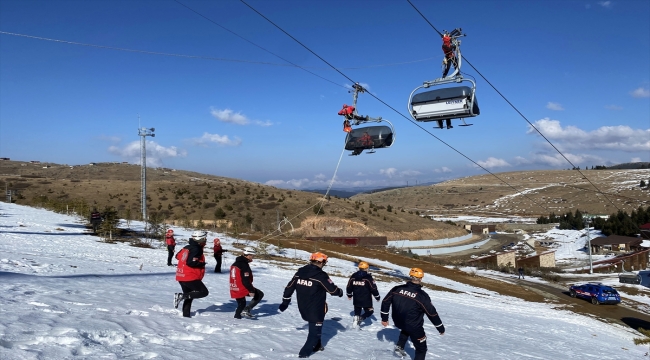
(249, 251)
(199, 235)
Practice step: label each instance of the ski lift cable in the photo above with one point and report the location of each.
(383, 102)
(202, 57)
(258, 46)
(515, 108)
(320, 202)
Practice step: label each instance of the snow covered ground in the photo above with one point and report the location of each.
(65, 295)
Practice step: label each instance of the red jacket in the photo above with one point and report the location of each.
(347, 111)
(241, 278)
(448, 49)
(170, 240)
(185, 272)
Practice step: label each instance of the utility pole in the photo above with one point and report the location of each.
(591, 265)
(143, 133)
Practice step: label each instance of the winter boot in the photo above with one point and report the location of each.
(400, 350)
(247, 313)
(177, 299)
(355, 321)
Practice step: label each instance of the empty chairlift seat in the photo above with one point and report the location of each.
(448, 103)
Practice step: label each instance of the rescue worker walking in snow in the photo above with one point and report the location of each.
(171, 245)
(241, 284)
(410, 303)
(95, 220)
(218, 252)
(190, 272)
(362, 287)
(311, 285)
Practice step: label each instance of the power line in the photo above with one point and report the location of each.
(517, 110)
(390, 107)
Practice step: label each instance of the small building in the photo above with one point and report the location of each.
(543, 260)
(4, 158)
(615, 243)
(628, 262)
(479, 229)
(645, 231)
(500, 259)
(34, 162)
(92, 164)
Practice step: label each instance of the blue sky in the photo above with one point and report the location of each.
(578, 70)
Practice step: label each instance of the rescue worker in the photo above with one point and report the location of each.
(95, 220)
(311, 284)
(410, 303)
(218, 252)
(241, 284)
(171, 245)
(450, 56)
(362, 287)
(521, 273)
(190, 272)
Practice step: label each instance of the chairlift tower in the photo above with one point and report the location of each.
(143, 133)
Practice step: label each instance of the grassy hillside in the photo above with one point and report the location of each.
(527, 193)
(186, 198)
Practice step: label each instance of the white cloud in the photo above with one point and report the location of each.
(556, 159)
(640, 93)
(221, 140)
(492, 162)
(444, 169)
(554, 106)
(620, 137)
(390, 172)
(229, 116)
(521, 161)
(263, 123)
(361, 174)
(293, 183)
(155, 152)
(636, 159)
(320, 177)
(613, 107)
(605, 4)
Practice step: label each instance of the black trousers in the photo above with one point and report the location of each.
(170, 254)
(241, 302)
(450, 62)
(192, 290)
(313, 339)
(217, 268)
(367, 312)
(419, 340)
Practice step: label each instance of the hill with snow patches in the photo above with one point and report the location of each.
(66, 295)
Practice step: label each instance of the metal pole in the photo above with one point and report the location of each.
(143, 133)
(591, 265)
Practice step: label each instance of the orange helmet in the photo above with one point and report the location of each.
(363, 265)
(416, 273)
(318, 256)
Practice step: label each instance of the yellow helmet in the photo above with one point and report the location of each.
(363, 265)
(318, 256)
(416, 273)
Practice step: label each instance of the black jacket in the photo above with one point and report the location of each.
(362, 286)
(410, 304)
(195, 251)
(241, 262)
(311, 284)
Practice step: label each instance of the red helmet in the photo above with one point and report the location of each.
(446, 39)
(170, 232)
(217, 241)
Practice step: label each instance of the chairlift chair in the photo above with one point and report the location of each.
(446, 103)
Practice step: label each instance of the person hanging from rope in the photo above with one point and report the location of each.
(350, 113)
(450, 56)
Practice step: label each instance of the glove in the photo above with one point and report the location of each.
(377, 298)
(284, 306)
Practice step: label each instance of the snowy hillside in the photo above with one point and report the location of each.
(64, 295)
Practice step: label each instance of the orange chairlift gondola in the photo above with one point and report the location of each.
(446, 103)
(366, 137)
